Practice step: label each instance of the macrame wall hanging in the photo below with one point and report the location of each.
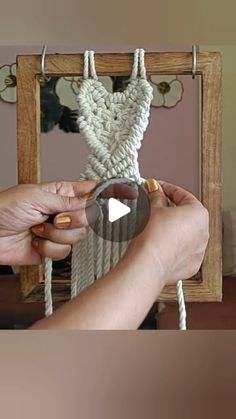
(113, 125)
(206, 68)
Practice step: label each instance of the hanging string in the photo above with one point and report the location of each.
(139, 69)
(48, 286)
(89, 65)
(182, 308)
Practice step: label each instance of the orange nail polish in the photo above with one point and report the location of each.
(87, 196)
(63, 221)
(152, 185)
(38, 228)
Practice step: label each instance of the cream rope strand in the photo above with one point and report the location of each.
(48, 286)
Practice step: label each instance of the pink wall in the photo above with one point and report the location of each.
(169, 151)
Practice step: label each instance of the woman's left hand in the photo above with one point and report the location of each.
(25, 234)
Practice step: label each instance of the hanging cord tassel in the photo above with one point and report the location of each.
(182, 308)
(48, 286)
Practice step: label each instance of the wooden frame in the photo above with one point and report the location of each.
(209, 67)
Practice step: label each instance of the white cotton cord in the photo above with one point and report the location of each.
(98, 256)
(107, 246)
(75, 268)
(92, 66)
(85, 266)
(89, 65)
(182, 308)
(82, 278)
(90, 257)
(135, 65)
(115, 250)
(139, 69)
(142, 68)
(48, 286)
(86, 65)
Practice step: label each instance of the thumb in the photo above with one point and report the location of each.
(177, 195)
(156, 193)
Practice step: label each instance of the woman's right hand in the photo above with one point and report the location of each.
(176, 237)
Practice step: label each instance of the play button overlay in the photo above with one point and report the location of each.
(116, 210)
(124, 210)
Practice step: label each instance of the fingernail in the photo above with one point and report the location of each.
(86, 196)
(38, 229)
(63, 221)
(152, 185)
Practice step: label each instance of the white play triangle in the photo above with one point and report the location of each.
(116, 210)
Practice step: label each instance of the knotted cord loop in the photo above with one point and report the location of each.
(139, 69)
(89, 65)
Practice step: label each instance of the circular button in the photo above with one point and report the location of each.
(124, 210)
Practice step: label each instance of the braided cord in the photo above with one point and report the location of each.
(48, 286)
(182, 308)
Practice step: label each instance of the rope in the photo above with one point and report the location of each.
(113, 125)
(48, 286)
(138, 65)
(115, 250)
(107, 246)
(100, 249)
(75, 271)
(182, 309)
(89, 65)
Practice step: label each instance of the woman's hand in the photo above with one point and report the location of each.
(176, 237)
(171, 247)
(25, 235)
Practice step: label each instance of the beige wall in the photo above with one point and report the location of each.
(229, 123)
